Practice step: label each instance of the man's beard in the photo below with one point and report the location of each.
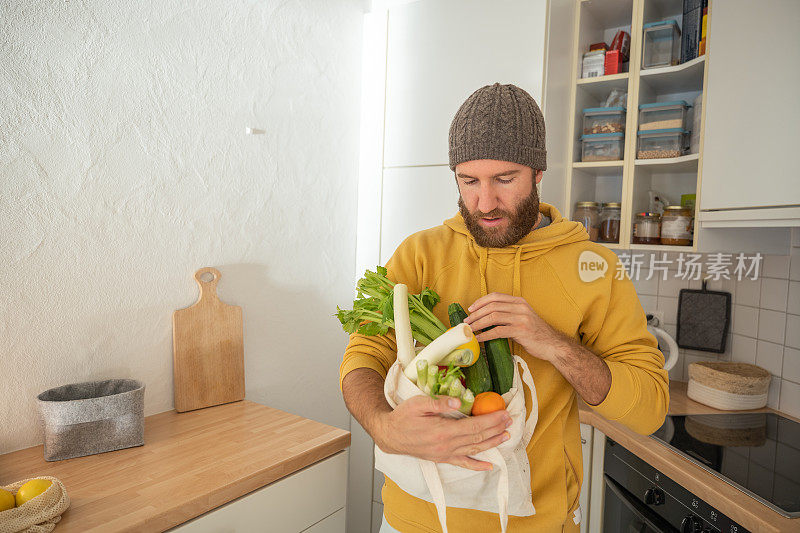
(521, 222)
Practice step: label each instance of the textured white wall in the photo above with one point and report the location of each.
(124, 167)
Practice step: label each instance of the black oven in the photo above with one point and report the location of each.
(640, 499)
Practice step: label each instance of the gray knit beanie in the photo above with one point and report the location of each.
(499, 122)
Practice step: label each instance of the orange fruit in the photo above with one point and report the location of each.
(487, 402)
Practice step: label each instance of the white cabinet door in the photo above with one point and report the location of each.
(312, 500)
(415, 199)
(752, 110)
(586, 451)
(439, 52)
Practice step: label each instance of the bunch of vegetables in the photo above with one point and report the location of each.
(451, 361)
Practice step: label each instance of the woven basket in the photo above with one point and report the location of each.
(38, 515)
(728, 386)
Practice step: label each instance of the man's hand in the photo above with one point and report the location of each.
(417, 428)
(514, 319)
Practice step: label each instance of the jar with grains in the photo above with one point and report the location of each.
(676, 226)
(647, 228)
(588, 214)
(610, 218)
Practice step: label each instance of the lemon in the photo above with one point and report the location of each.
(32, 489)
(6, 500)
(473, 346)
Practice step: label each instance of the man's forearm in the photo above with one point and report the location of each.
(362, 390)
(588, 374)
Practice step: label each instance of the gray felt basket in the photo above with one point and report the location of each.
(93, 417)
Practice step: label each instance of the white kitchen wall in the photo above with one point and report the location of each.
(765, 321)
(124, 167)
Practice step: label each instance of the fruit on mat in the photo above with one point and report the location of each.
(487, 402)
(6, 500)
(32, 489)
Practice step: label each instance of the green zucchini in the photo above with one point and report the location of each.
(501, 364)
(477, 376)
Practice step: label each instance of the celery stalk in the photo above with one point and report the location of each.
(467, 399)
(422, 373)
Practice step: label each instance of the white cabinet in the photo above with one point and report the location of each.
(586, 452)
(750, 163)
(597, 482)
(311, 500)
(439, 52)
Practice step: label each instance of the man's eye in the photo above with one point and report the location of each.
(505, 181)
(470, 182)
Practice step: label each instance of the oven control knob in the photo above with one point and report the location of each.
(691, 524)
(654, 496)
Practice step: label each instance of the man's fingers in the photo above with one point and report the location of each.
(474, 449)
(495, 318)
(477, 435)
(440, 404)
(469, 462)
(496, 307)
(491, 297)
(501, 332)
(476, 425)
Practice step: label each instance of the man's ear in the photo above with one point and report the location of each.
(537, 175)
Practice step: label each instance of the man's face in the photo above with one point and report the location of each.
(499, 200)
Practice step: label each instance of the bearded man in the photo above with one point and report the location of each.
(516, 263)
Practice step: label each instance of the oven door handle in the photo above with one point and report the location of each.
(644, 513)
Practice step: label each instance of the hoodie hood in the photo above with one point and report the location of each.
(536, 243)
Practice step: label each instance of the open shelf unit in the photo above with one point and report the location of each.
(629, 180)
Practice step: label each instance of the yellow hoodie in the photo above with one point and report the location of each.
(604, 315)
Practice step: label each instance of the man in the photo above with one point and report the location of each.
(516, 264)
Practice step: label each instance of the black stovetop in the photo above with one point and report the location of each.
(758, 453)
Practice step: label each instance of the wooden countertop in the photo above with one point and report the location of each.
(190, 463)
(745, 510)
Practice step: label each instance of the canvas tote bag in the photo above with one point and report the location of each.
(505, 490)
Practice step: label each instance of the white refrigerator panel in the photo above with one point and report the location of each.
(441, 51)
(415, 199)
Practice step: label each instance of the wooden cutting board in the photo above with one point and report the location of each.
(208, 349)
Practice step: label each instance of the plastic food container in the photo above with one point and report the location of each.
(662, 44)
(603, 120)
(93, 417)
(594, 64)
(663, 116)
(657, 144)
(602, 147)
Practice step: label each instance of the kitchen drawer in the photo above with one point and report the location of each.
(331, 524)
(312, 499)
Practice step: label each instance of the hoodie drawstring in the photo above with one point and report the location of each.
(516, 287)
(483, 262)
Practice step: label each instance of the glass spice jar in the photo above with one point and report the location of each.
(610, 218)
(676, 226)
(588, 214)
(647, 228)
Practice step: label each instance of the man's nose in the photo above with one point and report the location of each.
(487, 200)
